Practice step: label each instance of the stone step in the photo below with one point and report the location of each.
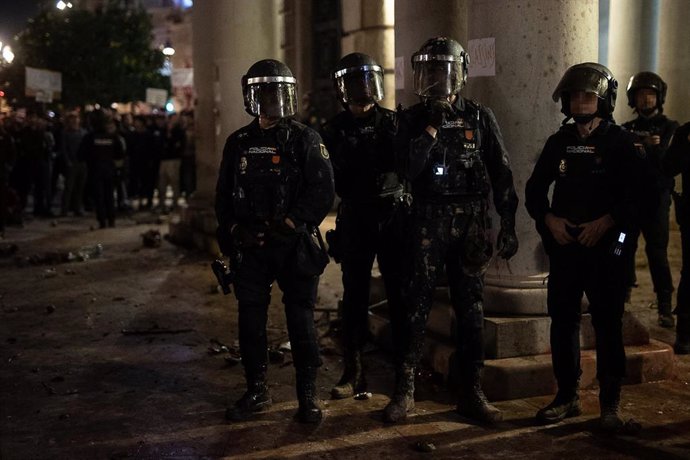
(509, 337)
(527, 376)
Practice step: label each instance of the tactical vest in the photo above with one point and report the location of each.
(456, 166)
(266, 172)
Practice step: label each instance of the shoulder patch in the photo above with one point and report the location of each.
(324, 152)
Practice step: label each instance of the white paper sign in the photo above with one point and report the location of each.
(44, 80)
(156, 97)
(400, 72)
(482, 53)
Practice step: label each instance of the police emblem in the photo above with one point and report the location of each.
(563, 167)
(324, 152)
(243, 165)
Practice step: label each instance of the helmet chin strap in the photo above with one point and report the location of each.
(584, 119)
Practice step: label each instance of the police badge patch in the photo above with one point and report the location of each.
(563, 166)
(324, 152)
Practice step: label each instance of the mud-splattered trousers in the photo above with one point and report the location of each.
(452, 176)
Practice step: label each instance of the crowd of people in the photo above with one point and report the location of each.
(415, 187)
(98, 161)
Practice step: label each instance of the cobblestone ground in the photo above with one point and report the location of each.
(121, 356)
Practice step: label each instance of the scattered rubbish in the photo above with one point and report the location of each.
(8, 249)
(363, 396)
(88, 252)
(285, 346)
(155, 330)
(72, 391)
(69, 271)
(50, 309)
(276, 356)
(118, 299)
(49, 273)
(151, 238)
(423, 446)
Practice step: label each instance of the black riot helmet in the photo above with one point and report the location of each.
(440, 68)
(648, 80)
(358, 79)
(269, 89)
(589, 77)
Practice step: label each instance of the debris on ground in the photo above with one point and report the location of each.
(49, 273)
(155, 330)
(54, 257)
(151, 239)
(424, 446)
(363, 396)
(285, 346)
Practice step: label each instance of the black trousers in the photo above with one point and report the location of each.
(369, 230)
(655, 228)
(598, 273)
(102, 180)
(457, 238)
(258, 269)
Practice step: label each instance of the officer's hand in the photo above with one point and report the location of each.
(557, 227)
(593, 231)
(438, 109)
(652, 140)
(243, 238)
(507, 242)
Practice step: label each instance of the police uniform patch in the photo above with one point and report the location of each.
(563, 166)
(324, 152)
(243, 165)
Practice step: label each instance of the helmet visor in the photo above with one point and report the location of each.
(437, 78)
(271, 99)
(357, 86)
(583, 79)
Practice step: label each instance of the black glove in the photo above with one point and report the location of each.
(438, 109)
(507, 242)
(243, 237)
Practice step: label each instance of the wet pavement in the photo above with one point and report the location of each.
(120, 356)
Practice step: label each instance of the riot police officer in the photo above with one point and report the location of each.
(360, 140)
(646, 95)
(452, 152)
(593, 164)
(275, 186)
(677, 161)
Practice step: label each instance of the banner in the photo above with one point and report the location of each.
(44, 84)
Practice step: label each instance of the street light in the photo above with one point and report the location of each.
(168, 50)
(62, 5)
(6, 53)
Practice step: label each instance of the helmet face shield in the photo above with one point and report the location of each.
(583, 79)
(271, 98)
(437, 78)
(359, 85)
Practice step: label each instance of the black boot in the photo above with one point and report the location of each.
(609, 402)
(309, 410)
(255, 399)
(665, 315)
(402, 401)
(682, 345)
(472, 402)
(352, 380)
(565, 404)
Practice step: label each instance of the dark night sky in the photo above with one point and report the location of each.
(13, 16)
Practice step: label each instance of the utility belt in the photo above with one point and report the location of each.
(383, 200)
(451, 206)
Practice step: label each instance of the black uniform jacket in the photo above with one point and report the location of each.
(660, 126)
(363, 155)
(290, 153)
(470, 136)
(592, 177)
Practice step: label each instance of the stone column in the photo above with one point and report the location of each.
(674, 56)
(228, 38)
(536, 41)
(415, 23)
(368, 29)
(632, 45)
